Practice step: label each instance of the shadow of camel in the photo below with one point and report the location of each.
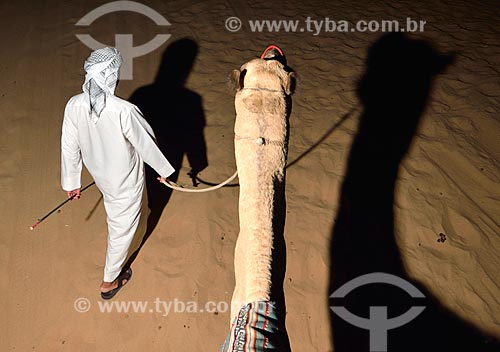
(394, 92)
(177, 118)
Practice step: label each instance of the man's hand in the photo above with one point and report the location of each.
(74, 194)
(163, 179)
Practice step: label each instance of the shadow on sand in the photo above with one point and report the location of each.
(394, 92)
(177, 117)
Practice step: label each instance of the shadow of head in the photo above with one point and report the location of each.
(177, 61)
(399, 71)
(396, 85)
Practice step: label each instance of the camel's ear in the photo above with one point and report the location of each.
(238, 79)
(290, 83)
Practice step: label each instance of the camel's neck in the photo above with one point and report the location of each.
(261, 132)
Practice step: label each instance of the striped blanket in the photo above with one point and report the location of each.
(257, 329)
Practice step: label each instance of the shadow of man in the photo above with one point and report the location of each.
(394, 92)
(177, 118)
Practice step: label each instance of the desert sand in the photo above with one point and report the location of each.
(446, 209)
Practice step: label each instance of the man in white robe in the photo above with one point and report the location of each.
(111, 137)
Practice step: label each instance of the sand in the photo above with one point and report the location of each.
(447, 188)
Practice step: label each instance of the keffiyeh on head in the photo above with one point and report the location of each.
(102, 67)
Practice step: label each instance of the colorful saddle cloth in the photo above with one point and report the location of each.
(257, 329)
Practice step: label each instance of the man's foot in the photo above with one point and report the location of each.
(110, 289)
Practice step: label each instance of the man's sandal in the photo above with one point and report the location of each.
(126, 276)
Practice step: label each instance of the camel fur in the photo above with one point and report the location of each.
(262, 102)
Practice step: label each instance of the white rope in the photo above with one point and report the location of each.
(259, 141)
(177, 187)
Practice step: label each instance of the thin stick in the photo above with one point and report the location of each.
(32, 227)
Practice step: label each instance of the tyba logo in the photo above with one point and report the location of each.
(378, 323)
(124, 42)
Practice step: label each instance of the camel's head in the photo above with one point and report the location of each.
(270, 72)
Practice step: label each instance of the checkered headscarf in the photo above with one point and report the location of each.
(102, 67)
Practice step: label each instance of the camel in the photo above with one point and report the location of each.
(263, 106)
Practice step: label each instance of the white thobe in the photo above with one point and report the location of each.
(113, 151)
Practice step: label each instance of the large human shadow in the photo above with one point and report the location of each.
(177, 118)
(394, 92)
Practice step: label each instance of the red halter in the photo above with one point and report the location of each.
(269, 48)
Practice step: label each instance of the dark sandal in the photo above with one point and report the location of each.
(127, 275)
